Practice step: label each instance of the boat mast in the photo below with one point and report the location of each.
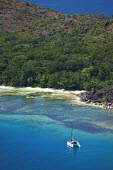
(72, 134)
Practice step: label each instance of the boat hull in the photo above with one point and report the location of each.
(73, 144)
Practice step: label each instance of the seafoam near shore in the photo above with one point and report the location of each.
(38, 89)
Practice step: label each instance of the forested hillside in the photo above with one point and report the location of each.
(41, 47)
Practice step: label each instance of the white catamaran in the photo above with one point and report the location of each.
(73, 143)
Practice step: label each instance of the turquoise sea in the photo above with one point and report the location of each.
(34, 129)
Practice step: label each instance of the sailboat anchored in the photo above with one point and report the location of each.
(73, 142)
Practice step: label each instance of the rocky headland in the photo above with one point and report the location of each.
(102, 98)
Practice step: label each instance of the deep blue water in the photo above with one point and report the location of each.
(77, 6)
(34, 132)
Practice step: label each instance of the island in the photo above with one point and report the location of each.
(43, 48)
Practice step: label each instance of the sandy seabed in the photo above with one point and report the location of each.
(75, 99)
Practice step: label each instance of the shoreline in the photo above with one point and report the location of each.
(39, 89)
(30, 92)
(107, 106)
(104, 105)
(77, 98)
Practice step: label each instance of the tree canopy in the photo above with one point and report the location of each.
(40, 47)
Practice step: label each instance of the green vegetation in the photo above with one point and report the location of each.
(40, 47)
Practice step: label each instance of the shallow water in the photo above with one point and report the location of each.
(34, 132)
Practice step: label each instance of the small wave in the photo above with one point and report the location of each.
(38, 89)
(7, 87)
(3, 108)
